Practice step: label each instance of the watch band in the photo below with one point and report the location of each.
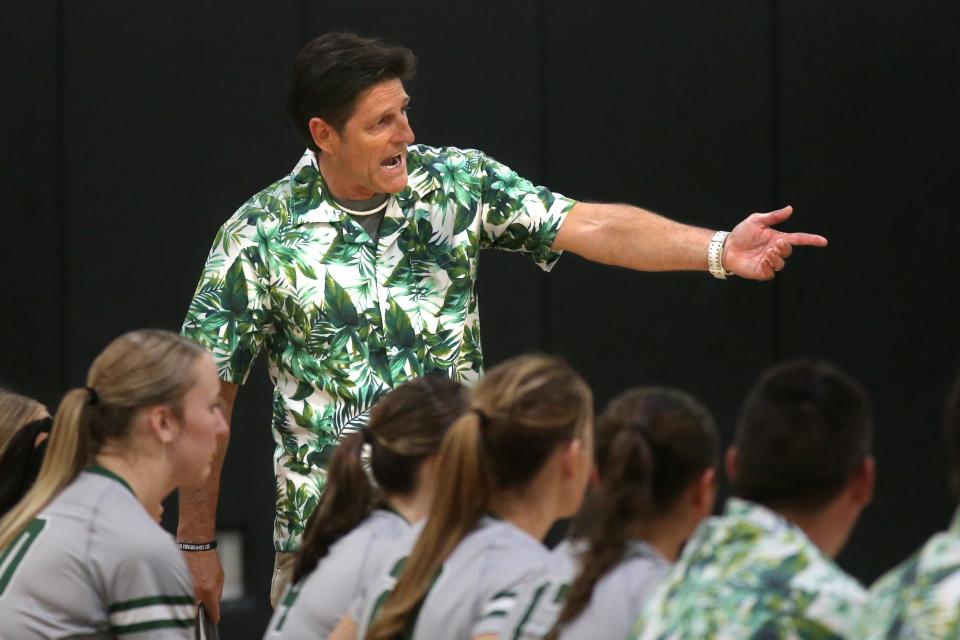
(715, 256)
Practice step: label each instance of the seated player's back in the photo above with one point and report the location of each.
(328, 592)
(476, 587)
(613, 604)
(93, 564)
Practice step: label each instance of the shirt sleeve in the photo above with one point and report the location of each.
(516, 215)
(228, 312)
(149, 592)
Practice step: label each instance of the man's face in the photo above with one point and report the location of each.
(370, 155)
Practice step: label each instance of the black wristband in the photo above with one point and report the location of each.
(197, 546)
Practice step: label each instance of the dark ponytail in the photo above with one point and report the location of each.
(406, 427)
(651, 444)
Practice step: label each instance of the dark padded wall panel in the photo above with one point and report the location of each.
(174, 117)
(870, 154)
(477, 86)
(667, 106)
(29, 287)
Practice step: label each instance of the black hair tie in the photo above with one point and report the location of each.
(94, 397)
(484, 420)
(367, 436)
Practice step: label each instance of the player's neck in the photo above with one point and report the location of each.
(142, 478)
(666, 536)
(413, 507)
(528, 511)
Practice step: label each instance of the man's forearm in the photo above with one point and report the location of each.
(198, 505)
(627, 236)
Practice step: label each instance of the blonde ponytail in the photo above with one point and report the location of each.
(521, 411)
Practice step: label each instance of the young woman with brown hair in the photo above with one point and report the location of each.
(516, 461)
(82, 555)
(356, 521)
(656, 455)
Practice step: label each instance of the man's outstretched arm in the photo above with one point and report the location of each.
(631, 237)
(198, 519)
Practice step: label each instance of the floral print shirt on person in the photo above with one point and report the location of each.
(344, 319)
(919, 599)
(750, 574)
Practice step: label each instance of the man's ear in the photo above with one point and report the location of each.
(324, 135)
(730, 462)
(706, 490)
(161, 422)
(861, 485)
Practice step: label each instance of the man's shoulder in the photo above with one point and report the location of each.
(271, 202)
(927, 583)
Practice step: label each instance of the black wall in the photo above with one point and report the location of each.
(130, 132)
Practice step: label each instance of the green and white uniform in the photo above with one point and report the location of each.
(93, 564)
(313, 607)
(617, 598)
(476, 588)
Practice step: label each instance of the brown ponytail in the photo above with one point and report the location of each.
(521, 411)
(651, 444)
(138, 369)
(406, 427)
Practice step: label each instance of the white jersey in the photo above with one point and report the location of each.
(477, 585)
(93, 564)
(313, 607)
(614, 606)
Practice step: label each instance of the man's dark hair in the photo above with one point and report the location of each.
(803, 433)
(951, 430)
(331, 72)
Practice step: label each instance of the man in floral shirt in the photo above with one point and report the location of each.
(801, 469)
(356, 271)
(920, 599)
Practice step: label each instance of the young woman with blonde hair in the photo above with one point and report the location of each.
(82, 555)
(517, 460)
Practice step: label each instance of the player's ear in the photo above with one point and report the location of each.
(161, 421)
(324, 135)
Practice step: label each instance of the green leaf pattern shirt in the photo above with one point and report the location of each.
(751, 574)
(920, 599)
(344, 319)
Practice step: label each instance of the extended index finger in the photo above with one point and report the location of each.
(805, 239)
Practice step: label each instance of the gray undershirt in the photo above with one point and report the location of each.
(370, 223)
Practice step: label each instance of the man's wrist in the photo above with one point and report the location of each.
(196, 546)
(715, 255)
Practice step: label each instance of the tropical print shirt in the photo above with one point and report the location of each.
(920, 599)
(751, 574)
(342, 318)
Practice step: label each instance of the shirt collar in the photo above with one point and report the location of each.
(758, 515)
(311, 200)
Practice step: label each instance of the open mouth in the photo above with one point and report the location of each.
(392, 162)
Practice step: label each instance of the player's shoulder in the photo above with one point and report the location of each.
(438, 160)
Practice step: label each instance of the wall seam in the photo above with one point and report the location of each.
(62, 271)
(775, 169)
